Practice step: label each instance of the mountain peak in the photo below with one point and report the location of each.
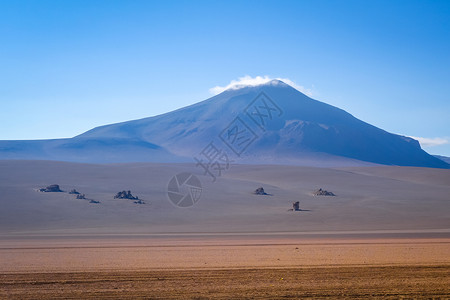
(280, 124)
(249, 82)
(272, 82)
(276, 82)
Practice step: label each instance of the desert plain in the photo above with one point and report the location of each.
(386, 233)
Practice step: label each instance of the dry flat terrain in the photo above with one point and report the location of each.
(328, 282)
(385, 235)
(203, 267)
(369, 198)
(198, 252)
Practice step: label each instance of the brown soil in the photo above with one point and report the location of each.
(318, 282)
(224, 268)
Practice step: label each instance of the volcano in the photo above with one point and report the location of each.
(272, 123)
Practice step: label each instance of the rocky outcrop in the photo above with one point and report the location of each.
(125, 195)
(74, 192)
(51, 189)
(139, 202)
(321, 192)
(296, 206)
(81, 196)
(260, 191)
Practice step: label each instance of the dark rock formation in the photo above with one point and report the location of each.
(139, 202)
(260, 191)
(74, 192)
(321, 192)
(125, 195)
(51, 189)
(94, 201)
(296, 206)
(81, 196)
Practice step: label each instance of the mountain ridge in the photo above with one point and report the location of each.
(284, 125)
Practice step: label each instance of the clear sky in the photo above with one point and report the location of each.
(68, 66)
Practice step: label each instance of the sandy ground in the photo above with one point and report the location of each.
(196, 267)
(104, 254)
(370, 198)
(385, 235)
(398, 282)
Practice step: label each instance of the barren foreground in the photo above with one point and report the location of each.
(386, 233)
(327, 282)
(370, 198)
(225, 267)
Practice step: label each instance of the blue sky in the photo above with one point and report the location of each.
(68, 66)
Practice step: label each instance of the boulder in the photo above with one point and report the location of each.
(260, 191)
(321, 192)
(51, 189)
(125, 195)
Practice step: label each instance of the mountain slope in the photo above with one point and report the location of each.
(301, 126)
(95, 150)
(270, 123)
(443, 158)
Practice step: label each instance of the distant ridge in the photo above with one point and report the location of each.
(443, 158)
(283, 126)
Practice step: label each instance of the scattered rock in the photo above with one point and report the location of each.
(81, 196)
(51, 189)
(125, 195)
(74, 192)
(139, 202)
(260, 191)
(321, 192)
(296, 206)
(94, 201)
